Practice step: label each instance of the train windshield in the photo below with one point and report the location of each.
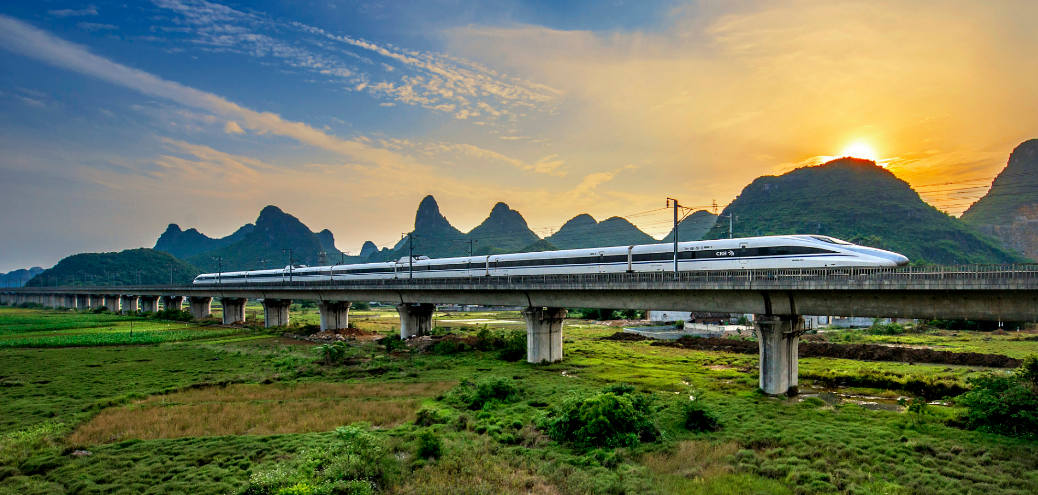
(830, 240)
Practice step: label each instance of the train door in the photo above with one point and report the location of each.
(743, 252)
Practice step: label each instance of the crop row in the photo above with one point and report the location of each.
(114, 338)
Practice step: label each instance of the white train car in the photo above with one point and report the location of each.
(771, 252)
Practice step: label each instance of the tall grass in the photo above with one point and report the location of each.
(248, 409)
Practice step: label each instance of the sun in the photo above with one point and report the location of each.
(860, 150)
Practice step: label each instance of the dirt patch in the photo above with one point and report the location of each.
(337, 335)
(860, 352)
(626, 337)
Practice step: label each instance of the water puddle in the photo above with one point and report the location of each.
(838, 396)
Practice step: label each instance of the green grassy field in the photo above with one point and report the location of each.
(260, 406)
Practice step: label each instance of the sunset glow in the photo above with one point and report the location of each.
(860, 150)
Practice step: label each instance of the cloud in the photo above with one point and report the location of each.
(724, 83)
(21, 38)
(438, 82)
(91, 10)
(93, 26)
(232, 127)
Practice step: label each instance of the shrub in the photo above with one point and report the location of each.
(449, 347)
(360, 306)
(173, 315)
(331, 353)
(393, 342)
(1004, 403)
(699, 418)
(513, 346)
(485, 339)
(605, 419)
(428, 417)
(430, 446)
(494, 389)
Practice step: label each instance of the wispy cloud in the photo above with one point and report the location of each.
(90, 10)
(27, 40)
(438, 82)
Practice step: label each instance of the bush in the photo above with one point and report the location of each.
(173, 315)
(331, 353)
(449, 347)
(699, 418)
(878, 328)
(358, 464)
(393, 342)
(607, 419)
(494, 389)
(488, 391)
(1003, 403)
(513, 346)
(360, 306)
(430, 446)
(597, 314)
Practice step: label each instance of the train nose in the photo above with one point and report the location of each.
(901, 260)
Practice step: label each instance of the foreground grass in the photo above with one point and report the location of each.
(767, 445)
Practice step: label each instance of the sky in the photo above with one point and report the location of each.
(118, 118)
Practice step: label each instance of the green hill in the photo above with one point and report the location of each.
(694, 227)
(583, 231)
(503, 229)
(1009, 211)
(262, 247)
(149, 266)
(861, 202)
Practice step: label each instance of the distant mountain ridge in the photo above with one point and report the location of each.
(1009, 210)
(185, 243)
(861, 202)
(583, 231)
(18, 278)
(264, 246)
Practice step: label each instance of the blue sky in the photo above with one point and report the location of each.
(117, 118)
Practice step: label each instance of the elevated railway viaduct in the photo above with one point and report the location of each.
(778, 298)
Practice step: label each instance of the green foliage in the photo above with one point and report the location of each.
(116, 338)
(173, 315)
(331, 353)
(879, 328)
(597, 314)
(357, 464)
(448, 347)
(120, 268)
(485, 393)
(697, 417)
(430, 445)
(513, 346)
(603, 420)
(1004, 403)
(393, 342)
(360, 306)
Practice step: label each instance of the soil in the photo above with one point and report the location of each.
(860, 352)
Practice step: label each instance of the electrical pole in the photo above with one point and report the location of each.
(410, 255)
(290, 262)
(676, 206)
(731, 223)
(219, 268)
(171, 274)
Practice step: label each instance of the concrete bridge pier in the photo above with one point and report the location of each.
(129, 304)
(275, 312)
(149, 304)
(778, 338)
(173, 302)
(415, 319)
(544, 334)
(83, 301)
(96, 301)
(233, 309)
(200, 307)
(111, 301)
(334, 314)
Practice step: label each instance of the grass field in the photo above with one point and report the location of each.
(209, 415)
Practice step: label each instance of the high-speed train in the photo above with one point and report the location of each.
(771, 252)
